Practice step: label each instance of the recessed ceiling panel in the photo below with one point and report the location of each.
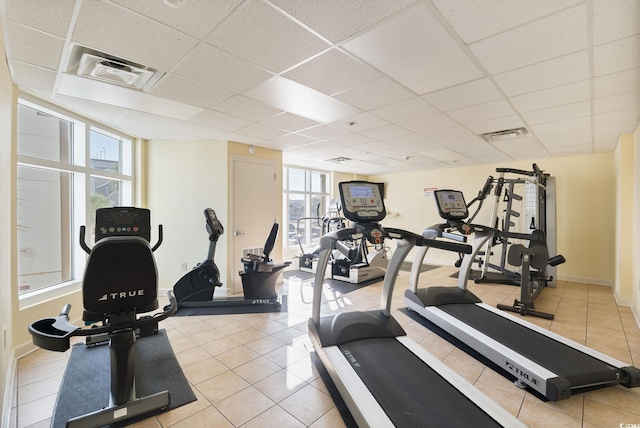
(293, 97)
(417, 50)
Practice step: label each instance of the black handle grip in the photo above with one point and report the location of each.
(155, 247)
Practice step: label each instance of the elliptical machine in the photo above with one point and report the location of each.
(196, 288)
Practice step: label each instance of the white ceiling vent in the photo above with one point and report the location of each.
(111, 69)
(507, 134)
(340, 159)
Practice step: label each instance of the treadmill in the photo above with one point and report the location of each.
(385, 378)
(549, 364)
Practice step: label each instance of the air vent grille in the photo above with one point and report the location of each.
(507, 134)
(340, 159)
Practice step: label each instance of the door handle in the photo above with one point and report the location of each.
(238, 233)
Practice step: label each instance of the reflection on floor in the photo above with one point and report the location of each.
(254, 370)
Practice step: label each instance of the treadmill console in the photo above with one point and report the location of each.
(362, 201)
(123, 221)
(451, 204)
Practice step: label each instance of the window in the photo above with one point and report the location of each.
(306, 200)
(67, 168)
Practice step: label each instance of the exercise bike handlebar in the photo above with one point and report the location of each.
(85, 247)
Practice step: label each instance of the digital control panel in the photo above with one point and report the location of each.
(451, 204)
(362, 201)
(123, 221)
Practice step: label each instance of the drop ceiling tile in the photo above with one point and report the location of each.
(101, 112)
(350, 140)
(530, 154)
(324, 132)
(269, 38)
(384, 132)
(195, 18)
(376, 93)
(218, 120)
(606, 139)
(615, 19)
(50, 17)
(364, 156)
(469, 142)
(373, 146)
(33, 77)
(582, 133)
(331, 72)
(439, 135)
(443, 155)
(397, 153)
(557, 96)
(240, 138)
(426, 162)
(259, 130)
(212, 66)
(142, 132)
(402, 111)
(616, 102)
(616, 56)
(568, 142)
(360, 122)
(493, 125)
(336, 22)
(246, 108)
(33, 47)
(544, 75)
(294, 140)
(132, 118)
(626, 115)
(464, 95)
(617, 83)
(518, 145)
(605, 147)
(477, 20)
(550, 37)
(561, 151)
(569, 111)
(329, 150)
(562, 125)
(188, 91)
(414, 143)
(297, 152)
(130, 36)
(493, 156)
(429, 123)
(616, 128)
(480, 112)
(404, 46)
(290, 122)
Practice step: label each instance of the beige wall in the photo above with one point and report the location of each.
(636, 226)
(183, 178)
(623, 156)
(7, 223)
(585, 208)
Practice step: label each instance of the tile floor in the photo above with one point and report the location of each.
(254, 370)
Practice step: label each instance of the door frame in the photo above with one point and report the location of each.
(233, 279)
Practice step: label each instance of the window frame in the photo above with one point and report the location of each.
(80, 169)
(309, 194)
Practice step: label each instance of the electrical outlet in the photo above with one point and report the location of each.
(183, 266)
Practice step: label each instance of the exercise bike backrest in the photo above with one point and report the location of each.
(271, 241)
(121, 274)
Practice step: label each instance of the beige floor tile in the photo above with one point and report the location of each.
(207, 418)
(308, 404)
(280, 385)
(304, 369)
(36, 411)
(508, 400)
(607, 416)
(222, 386)
(192, 356)
(256, 370)
(203, 370)
(42, 371)
(619, 397)
(264, 345)
(274, 417)
(573, 406)
(464, 365)
(221, 346)
(237, 357)
(206, 334)
(244, 406)
(536, 415)
(38, 389)
(331, 419)
(181, 413)
(286, 355)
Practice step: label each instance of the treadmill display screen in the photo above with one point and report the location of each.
(451, 204)
(361, 201)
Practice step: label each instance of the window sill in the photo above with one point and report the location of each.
(37, 297)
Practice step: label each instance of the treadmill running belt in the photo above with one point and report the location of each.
(411, 393)
(575, 366)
